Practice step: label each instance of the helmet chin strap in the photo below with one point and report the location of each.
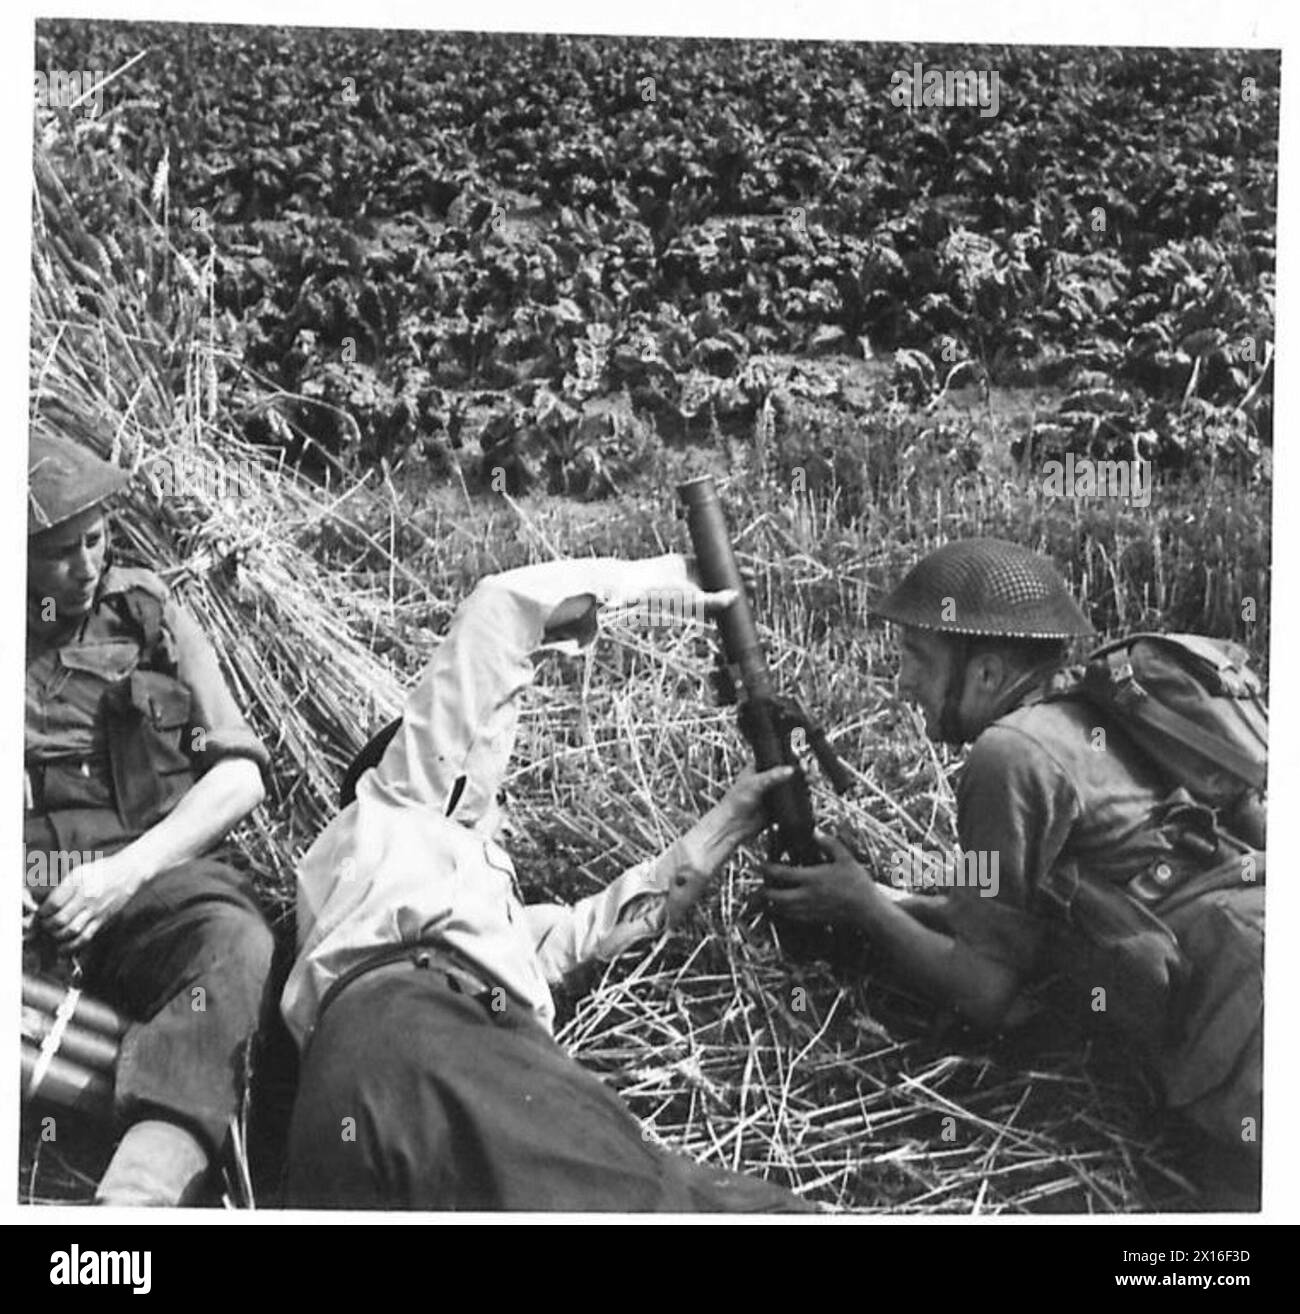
(950, 727)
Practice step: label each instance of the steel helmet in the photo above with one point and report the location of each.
(986, 587)
(64, 479)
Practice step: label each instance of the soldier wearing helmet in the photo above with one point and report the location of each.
(137, 764)
(1060, 819)
(983, 622)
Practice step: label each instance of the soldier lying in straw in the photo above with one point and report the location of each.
(138, 764)
(421, 996)
(1094, 873)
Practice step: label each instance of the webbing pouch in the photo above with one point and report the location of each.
(1117, 961)
(146, 716)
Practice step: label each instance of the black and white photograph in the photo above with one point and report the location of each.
(646, 624)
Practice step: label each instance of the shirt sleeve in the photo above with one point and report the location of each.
(460, 721)
(226, 733)
(626, 912)
(1015, 809)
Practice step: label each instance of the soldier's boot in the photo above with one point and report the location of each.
(157, 1163)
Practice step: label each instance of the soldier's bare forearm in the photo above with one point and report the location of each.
(219, 800)
(940, 966)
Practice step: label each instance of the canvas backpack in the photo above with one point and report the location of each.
(1183, 969)
(1195, 707)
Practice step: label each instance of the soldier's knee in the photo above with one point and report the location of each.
(234, 944)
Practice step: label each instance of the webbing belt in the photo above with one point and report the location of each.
(438, 955)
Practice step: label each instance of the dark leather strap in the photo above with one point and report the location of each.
(435, 956)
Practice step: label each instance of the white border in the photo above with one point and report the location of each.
(1243, 23)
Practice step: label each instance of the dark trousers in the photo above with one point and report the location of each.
(414, 1095)
(188, 959)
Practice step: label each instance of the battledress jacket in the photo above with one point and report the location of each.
(1119, 900)
(123, 713)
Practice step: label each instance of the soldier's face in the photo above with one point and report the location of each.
(925, 664)
(64, 566)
